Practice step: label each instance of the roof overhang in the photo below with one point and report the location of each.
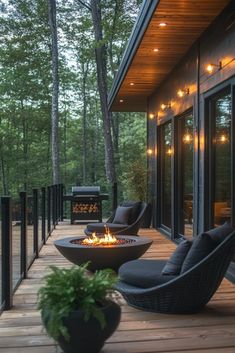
(154, 50)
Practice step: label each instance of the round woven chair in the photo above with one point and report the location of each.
(119, 229)
(187, 293)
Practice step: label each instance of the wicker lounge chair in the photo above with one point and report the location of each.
(130, 228)
(188, 292)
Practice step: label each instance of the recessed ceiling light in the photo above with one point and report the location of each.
(132, 84)
(121, 101)
(155, 50)
(162, 24)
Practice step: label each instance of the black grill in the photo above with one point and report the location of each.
(86, 203)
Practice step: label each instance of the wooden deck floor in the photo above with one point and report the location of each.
(211, 331)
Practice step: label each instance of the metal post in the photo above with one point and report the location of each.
(53, 205)
(23, 224)
(43, 208)
(35, 221)
(7, 252)
(57, 203)
(114, 196)
(61, 202)
(48, 210)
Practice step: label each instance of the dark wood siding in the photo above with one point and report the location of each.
(216, 45)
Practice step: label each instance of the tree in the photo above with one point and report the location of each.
(55, 92)
(101, 65)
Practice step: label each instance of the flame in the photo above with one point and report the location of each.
(106, 239)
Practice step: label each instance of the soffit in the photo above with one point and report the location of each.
(185, 22)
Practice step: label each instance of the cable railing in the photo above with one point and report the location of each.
(26, 224)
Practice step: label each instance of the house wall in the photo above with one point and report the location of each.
(216, 44)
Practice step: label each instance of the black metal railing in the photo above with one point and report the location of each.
(26, 224)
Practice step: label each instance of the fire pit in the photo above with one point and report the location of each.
(103, 252)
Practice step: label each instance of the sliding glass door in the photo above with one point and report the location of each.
(165, 178)
(184, 166)
(220, 158)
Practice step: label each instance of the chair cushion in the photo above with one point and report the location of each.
(201, 247)
(144, 273)
(99, 227)
(218, 234)
(122, 215)
(135, 209)
(174, 264)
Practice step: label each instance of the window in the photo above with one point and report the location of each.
(184, 186)
(165, 167)
(220, 158)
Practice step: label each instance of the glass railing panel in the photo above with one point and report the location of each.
(51, 206)
(30, 240)
(0, 256)
(39, 219)
(16, 242)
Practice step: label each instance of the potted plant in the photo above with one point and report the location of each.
(75, 309)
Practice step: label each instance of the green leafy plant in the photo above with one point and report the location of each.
(135, 181)
(66, 290)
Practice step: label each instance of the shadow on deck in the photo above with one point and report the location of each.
(211, 331)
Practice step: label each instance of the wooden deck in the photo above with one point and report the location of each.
(211, 331)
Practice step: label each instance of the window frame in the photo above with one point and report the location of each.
(209, 153)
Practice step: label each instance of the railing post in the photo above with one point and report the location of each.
(53, 205)
(48, 210)
(43, 211)
(35, 221)
(23, 225)
(57, 202)
(61, 202)
(114, 196)
(6, 251)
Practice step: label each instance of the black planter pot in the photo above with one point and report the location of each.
(88, 336)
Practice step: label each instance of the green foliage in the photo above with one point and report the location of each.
(66, 290)
(135, 181)
(25, 96)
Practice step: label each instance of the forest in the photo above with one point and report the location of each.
(58, 59)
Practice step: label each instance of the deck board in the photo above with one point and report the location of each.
(210, 331)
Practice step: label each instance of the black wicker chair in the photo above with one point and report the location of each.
(188, 292)
(119, 229)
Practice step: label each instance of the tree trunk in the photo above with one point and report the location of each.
(25, 145)
(55, 92)
(101, 57)
(4, 181)
(65, 146)
(84, 132)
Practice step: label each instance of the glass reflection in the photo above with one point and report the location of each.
(0, 257)
(185, 165)
(166, 152)
(221, 126)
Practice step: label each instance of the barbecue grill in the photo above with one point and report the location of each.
(86, 203)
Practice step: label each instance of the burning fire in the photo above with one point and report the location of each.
(106, 239)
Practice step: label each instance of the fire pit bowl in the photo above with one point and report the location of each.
(103, 256)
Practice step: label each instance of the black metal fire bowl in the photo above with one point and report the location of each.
(100, 257)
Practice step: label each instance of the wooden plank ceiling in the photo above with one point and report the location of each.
(185, 21)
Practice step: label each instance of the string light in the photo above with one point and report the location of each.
(182, 92)
(211, 67)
